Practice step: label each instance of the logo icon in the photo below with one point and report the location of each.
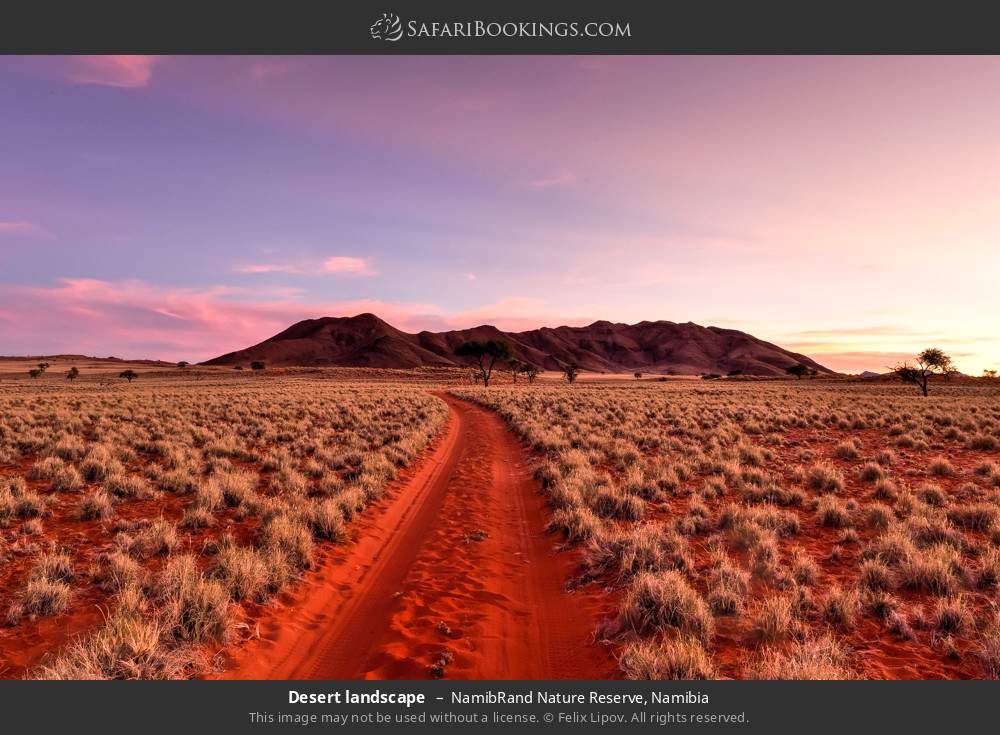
(387, 28)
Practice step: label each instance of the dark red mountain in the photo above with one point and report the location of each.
(652, 347)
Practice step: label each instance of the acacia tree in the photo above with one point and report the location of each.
(257, 365)
(931, 361)
(35, 372)
(798, 370)
(516, 367)
(73, 373)
(129, 375)
(43, 366)
(637, 375)
(571, 371)
(486, 354)
(531, 371)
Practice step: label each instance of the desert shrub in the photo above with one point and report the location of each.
(647, 548)
(933, 570)
(54, 566)
(66, 479)
(727, 588)
(804, 568)
(291, 537)
(244, 572)
(666, 658)
(197, 517)
(941, 467)
(840, 607)
(977, 517)
(95, 505)
(820, 658)
(885, 490)
(871, 472)
(158, 537)
(193, 608)
(116, 571)
(930, 494)
(879, 516)
(824, 478)
(665, 599)
(575, 524)
(952, 615)
(988, 574)
(875, 576)
(40, 597)
(326, 520)
(846, 450)
(124, 485)
(774, 619)
(832, 512)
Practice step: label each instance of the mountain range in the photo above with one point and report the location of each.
(654, 347)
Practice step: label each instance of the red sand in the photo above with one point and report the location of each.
(413, 584)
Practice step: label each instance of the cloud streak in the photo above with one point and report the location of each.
(112, 71)
(335, 265)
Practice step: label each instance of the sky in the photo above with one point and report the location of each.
(183, 207)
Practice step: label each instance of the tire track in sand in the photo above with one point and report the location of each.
(415, 584)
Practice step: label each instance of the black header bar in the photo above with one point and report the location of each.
(512, 26)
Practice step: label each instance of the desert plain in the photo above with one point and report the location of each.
(373, 523)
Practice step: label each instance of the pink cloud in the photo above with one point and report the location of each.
(562, 178)
(343, 264)
(20, 227)
(112, 71)
(338, 264)
(136, 319)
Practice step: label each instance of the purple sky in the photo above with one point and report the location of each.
(846, 207)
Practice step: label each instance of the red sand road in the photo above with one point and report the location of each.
(415, 582)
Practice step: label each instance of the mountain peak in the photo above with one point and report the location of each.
(365, 340)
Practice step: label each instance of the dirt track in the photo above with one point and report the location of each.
(414, 583)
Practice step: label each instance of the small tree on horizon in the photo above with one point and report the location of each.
(571, 372)
(798, 370)
(516, 367)
(990, 374)
(183, 364)
(931, 361)
(43, 366)
(129, 375)
(638, 375)
(486, 354)
(531, 371)
(257, 365)
(73, 373)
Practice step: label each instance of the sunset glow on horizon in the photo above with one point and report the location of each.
(183, 207)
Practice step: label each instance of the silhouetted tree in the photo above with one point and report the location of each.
(931, 361)
(43, 366)
(516, 367)
(73, 373)
(257, 365)
(637, 375)
(989, 373)
(571, 371)
(129, 375)
(798, 370)
(486, 354)
(531, 371)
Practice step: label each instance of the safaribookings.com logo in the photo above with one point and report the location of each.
(390, 28)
